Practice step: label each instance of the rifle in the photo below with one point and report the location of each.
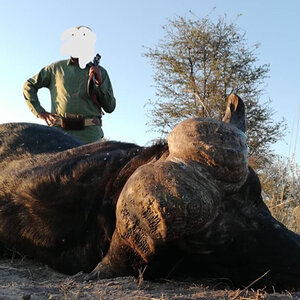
(91, 83)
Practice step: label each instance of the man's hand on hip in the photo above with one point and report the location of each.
(49, 118)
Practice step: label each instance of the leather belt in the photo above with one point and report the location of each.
(96, 121)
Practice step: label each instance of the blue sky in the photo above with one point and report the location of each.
(30, 39)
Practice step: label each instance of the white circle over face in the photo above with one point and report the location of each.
(79, 42)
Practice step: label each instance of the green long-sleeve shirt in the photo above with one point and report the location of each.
(67, 83)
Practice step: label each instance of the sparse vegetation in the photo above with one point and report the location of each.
(280, 181)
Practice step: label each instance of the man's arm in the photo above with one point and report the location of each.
(104, 91)
(30, 90)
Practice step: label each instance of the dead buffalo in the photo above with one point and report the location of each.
(190, 205)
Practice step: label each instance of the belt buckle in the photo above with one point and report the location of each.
(72, 122)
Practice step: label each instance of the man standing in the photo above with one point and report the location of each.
(73, 109)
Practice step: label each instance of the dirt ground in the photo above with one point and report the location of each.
(27, 279)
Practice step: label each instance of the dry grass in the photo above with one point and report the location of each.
(29, 280)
